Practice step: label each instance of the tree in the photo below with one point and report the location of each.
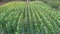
(5, 0)
(0, 0)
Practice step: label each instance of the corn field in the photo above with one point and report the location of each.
(34, 17)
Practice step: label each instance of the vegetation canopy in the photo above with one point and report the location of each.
(32, 18)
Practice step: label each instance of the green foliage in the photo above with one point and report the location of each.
(32, 18)
(52, 3)
(55, 5)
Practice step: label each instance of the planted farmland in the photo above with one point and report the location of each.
(31, 18)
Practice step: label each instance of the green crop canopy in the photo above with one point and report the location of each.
(32, 18)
